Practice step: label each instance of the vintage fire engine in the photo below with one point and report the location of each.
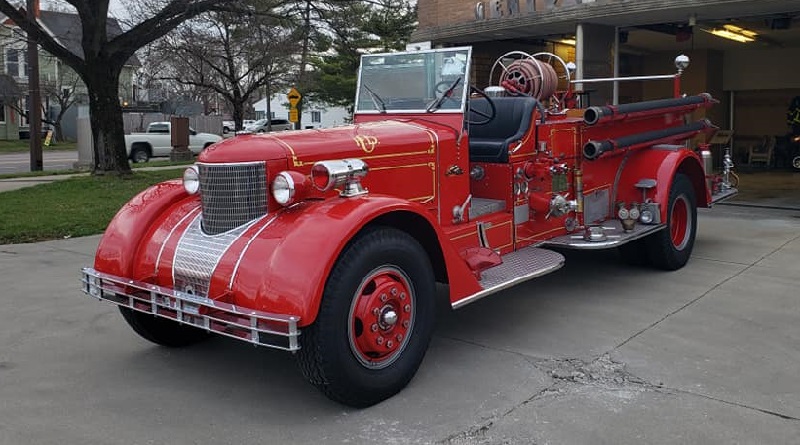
(329, 243)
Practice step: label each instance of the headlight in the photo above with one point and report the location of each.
(634, 213)
(289, 187)
(327, 175)
(623, 213)
(191, 180)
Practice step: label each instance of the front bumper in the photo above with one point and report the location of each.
(249, 325)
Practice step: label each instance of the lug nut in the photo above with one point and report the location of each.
(399, 337)
(379, 340)
(406, 324)
(389, 344)
(402, 295)
(384, 298)
(407, 308)
(374, 327)
(394, 291)
(376, 311)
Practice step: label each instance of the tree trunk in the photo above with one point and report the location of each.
(105, 114)
(238, 111)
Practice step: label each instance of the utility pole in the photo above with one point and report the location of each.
(35, 102)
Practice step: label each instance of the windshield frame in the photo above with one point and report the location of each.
(422, 110)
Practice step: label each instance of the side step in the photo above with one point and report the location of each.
(611, 235)
(519, 266)
(723, 195)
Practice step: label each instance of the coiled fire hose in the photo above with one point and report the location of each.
(530, 77)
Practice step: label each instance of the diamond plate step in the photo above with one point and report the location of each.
(723, 195)
(519, 266)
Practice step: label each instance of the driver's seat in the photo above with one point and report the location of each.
(491, 142)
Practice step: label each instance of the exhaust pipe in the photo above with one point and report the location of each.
(595, 115)
(593, 149)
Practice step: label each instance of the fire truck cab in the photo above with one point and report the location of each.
(329, 243)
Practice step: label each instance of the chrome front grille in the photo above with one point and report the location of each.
(232, 194)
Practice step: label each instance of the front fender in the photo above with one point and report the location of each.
(117, 251)
(662, 164)
(283, 268)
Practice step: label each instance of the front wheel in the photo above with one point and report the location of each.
(162, 331)
(669, 249)
(796, 162)
(375, 320)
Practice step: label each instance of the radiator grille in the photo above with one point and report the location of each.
(232, 195)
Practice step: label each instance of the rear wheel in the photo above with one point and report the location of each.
(796, 162)
(162, 331)
(634, 253)
(670, 248)
(140, 153)
(375, 320)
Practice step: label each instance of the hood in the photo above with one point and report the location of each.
(370, 140)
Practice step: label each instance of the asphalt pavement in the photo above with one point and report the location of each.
(52, 160)
(596, 353)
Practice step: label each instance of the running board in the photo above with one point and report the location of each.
(613, 235)
(723, 195)
(519, 266)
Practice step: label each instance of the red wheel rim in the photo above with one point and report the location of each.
(680, 221)
(381, 317)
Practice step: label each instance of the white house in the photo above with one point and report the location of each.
(314, 116)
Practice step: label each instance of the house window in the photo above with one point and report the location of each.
(16, 64)
(272, 115)
(2, 112)
(24, 104)
(316, 117)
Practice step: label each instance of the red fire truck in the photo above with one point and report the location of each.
(329, 243)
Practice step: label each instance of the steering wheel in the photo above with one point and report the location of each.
(487, 116)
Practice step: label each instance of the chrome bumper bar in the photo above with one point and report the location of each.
(249, 325)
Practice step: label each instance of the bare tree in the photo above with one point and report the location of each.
(231, 56)
(103, 56)
(64, 89)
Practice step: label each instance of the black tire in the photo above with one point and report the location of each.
(670, 249)
(140, 153)
(339, 352)
(634, 253)
(162, 331)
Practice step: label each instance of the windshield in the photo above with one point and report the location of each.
(414, 81)
(259, 122)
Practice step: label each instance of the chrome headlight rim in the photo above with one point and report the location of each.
(284, 189)
(191, 180)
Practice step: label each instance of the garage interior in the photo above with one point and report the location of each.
(751, 65)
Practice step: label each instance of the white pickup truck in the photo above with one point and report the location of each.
(157, 141)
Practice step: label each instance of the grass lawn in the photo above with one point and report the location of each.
(77, 206)
(23, 146)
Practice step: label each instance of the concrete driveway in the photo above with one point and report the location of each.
(596, 353)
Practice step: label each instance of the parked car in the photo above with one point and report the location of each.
(260, 126)
(228, 126)
(157, 141)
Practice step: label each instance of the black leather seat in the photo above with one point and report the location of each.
(491, 142)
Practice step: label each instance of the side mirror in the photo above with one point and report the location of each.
(193, 133)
